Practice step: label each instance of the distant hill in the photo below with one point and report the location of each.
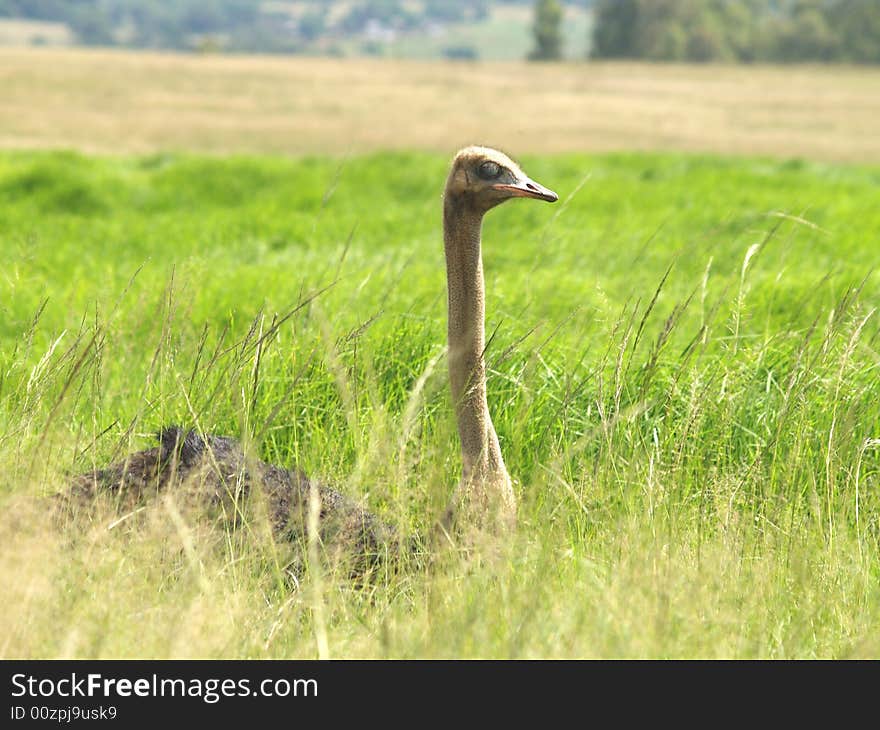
(728, 31)
(459, 29)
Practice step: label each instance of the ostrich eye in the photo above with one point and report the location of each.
(489, 170)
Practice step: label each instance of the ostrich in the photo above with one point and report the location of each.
(215, 471)
(480, 179)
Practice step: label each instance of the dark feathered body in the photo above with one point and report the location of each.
(213, 472)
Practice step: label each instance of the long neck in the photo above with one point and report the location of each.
(484, 470)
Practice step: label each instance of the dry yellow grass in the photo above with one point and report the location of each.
(17, 32)
(108, 101)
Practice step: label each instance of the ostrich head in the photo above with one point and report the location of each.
(482, 178)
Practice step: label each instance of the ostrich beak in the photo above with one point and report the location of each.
(527, 188)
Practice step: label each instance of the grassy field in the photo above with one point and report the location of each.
(683, 377)
(33, 32)
(114, 102)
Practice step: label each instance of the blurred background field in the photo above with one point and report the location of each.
(683, 372)
(111, 101)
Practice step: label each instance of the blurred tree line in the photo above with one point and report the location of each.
(241, 25)
(140, 23)
(738, 30)
(667, 30)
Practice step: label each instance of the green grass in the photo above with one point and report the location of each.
(684, 378)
